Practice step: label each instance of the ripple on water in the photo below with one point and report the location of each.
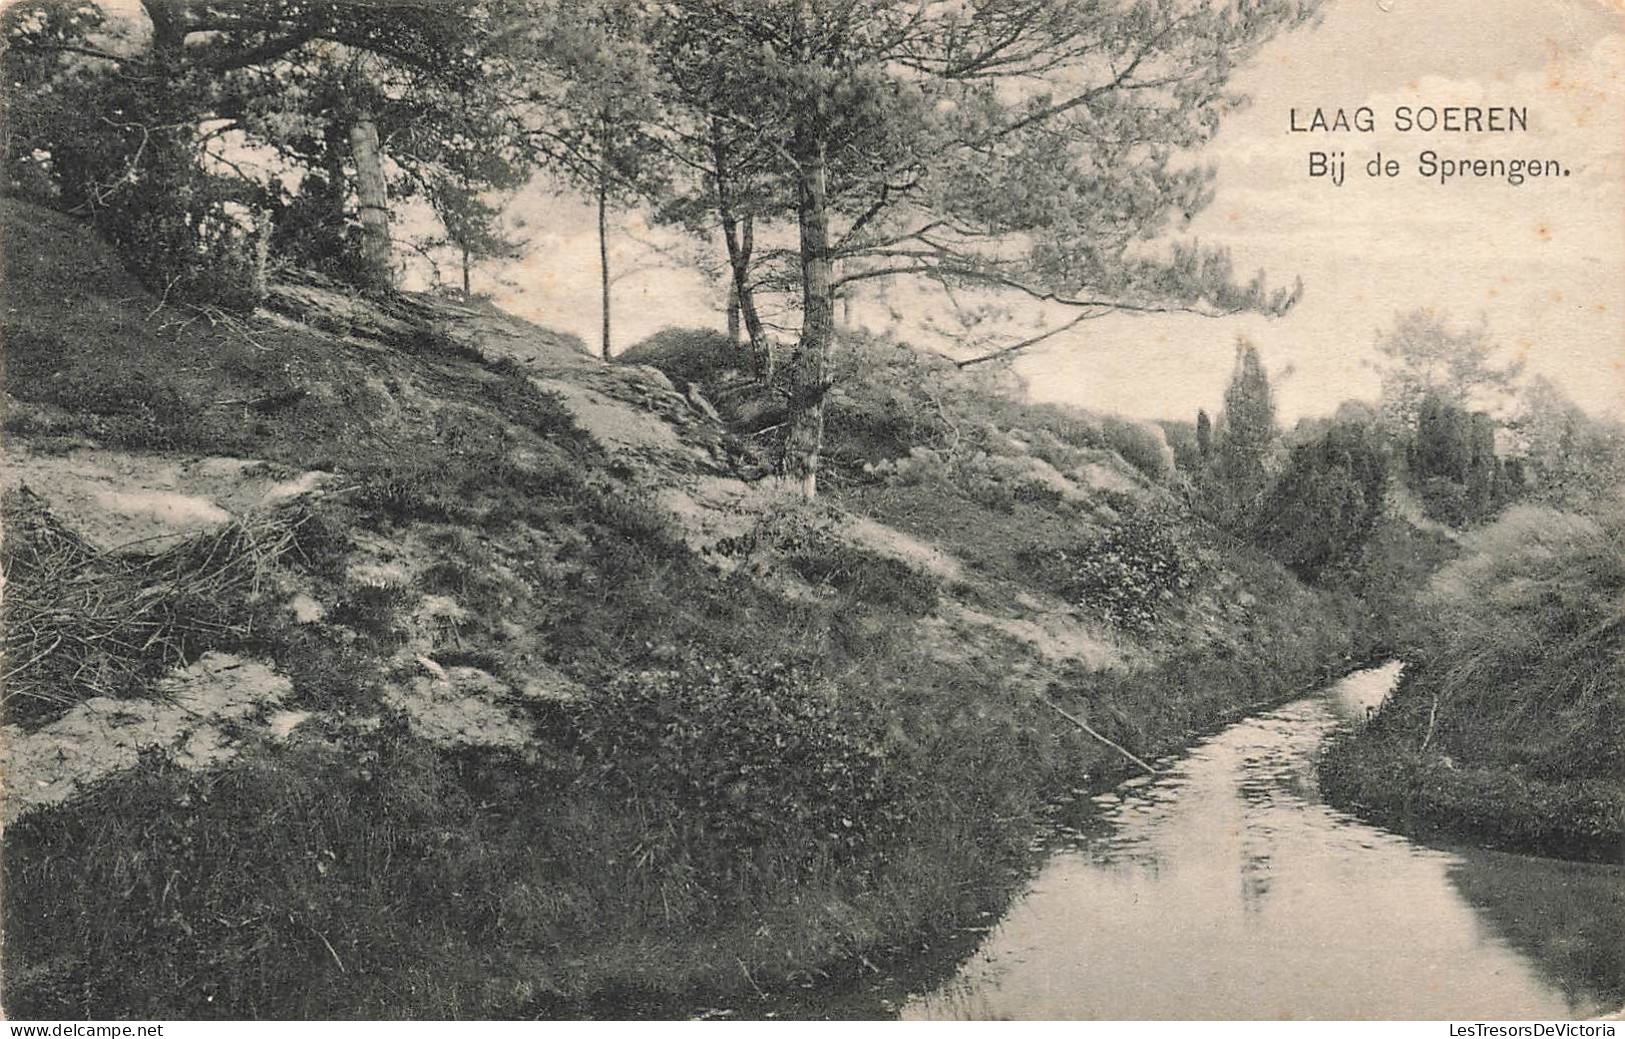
(1229, 890)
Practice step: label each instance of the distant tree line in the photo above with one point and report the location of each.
(1315, 496)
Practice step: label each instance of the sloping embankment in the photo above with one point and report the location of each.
(398, 659)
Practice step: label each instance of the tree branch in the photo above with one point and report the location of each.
(1034, 341)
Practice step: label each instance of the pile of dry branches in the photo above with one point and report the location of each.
(80, 622)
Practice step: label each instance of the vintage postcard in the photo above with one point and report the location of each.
(1032, 510)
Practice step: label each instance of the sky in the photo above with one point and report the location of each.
(1543, 264)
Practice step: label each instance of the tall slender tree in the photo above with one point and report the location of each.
(1021, 146)
(585, 91)
(728, 177)
(1246, 433)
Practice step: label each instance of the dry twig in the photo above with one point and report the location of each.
(81, 622)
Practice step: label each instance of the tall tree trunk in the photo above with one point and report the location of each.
(741, 298)
(740, 237)
(467, 264)
(168, 18)
(377, 261)
(166, 224)
(809, 366)
(603, 254)
(262, 255)
(761, 349)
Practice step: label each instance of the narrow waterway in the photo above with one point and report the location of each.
(1226, 888)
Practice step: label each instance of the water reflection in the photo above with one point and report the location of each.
(1227, 889)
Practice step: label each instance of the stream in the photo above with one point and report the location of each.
(1224, 887)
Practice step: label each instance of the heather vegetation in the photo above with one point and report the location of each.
(769, 766)
(1508, 726)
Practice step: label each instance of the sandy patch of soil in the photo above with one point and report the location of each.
(124, 500)
(1055, 636)
(894, 544)
(612, 423)
(204, 714)
(460, 706)
(710, 509)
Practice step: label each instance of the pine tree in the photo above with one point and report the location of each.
(981, 145)
(1246, 433)
(586, 86)
(322, 84)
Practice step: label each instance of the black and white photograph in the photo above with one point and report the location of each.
(812, 510)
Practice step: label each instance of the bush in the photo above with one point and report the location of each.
(1324, 507)
(1522, 647)
(684, 355)
(1140, 444)
(1509, 725)
(1444, 500)
(889, 398)
(755, 766)
(1129, 572)
(872, 579)
(1071, 426)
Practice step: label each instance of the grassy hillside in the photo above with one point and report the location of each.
(1509, 726)
(399, 659)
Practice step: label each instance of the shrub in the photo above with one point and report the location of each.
(755, 766)
(890, 398)
(867, 577)
(685, 355)
(1522, 649)
(1140, 444)
(1444, 500)
(1324, 507)
(1129, 572)
(1070, 426)
(1509, 725)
